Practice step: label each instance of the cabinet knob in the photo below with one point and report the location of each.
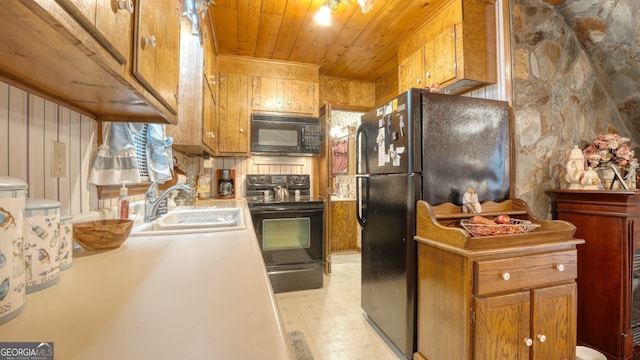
(506, 276)
(150, 41)
(528, 341)
(241, 130)
(542, 338)
(126, 5)
(560, 267)
(427, 74)
(418, 81)
(210, 134)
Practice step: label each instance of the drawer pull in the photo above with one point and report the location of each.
(560, 267)
(506, 276)
(528, 341)
(542, 338)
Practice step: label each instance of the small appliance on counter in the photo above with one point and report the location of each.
(226, 183)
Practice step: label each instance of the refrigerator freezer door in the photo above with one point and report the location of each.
(386, 140)
(389, 257)
(466, 143)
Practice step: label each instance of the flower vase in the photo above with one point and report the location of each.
(607, 176)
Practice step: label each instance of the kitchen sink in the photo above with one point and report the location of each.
(193, 220)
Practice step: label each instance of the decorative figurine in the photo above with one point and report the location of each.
(630, 177)
(590, 180)
(575, 168)
(470, 203)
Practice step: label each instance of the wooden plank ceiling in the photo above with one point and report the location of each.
(355, 46)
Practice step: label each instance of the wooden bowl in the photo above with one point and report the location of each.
(102, 234)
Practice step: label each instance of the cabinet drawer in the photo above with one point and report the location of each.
(524, 272)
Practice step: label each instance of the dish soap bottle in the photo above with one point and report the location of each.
(123, 202)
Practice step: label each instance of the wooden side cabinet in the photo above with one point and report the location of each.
(495, 297)
(608, 267)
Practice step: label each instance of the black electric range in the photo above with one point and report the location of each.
(290, 230)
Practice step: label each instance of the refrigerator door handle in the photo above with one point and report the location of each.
(362, 184)
(361, 157)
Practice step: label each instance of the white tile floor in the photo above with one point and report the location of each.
(332, 319)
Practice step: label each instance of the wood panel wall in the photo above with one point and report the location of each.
(28, 125)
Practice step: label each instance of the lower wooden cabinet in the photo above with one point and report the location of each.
(534, 324)
(509, 297)
(343, 227)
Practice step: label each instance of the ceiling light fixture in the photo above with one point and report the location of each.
(323, 16)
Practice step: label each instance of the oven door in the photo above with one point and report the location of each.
(289, 236)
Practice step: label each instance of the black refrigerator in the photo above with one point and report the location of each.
(419, 146)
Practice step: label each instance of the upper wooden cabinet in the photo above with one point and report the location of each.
(455, 49)
(283, 95)
(78, 53)
(157, 37)
(247, 85)
(235, 115)
(347, 94)
(194, 133)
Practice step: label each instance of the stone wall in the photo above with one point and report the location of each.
(559, 101)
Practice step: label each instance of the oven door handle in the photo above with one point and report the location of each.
(278, 272)
(272, 210)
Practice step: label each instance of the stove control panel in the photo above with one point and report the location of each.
(268, 181)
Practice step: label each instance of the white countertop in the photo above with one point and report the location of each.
(198, 296)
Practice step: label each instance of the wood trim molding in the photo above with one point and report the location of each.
(112, 191)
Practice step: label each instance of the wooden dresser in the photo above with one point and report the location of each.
(608, 266)
(494, 297)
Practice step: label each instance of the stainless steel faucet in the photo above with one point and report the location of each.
(151, 201)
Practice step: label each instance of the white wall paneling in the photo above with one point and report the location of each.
(28, 125)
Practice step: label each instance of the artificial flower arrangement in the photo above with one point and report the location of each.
(611, 152)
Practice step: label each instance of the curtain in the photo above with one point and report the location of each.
(159, 152)
(116, 159)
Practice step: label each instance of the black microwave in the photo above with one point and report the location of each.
(284, 135)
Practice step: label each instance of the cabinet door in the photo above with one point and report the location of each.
(283, 95)
(554, 322)
(157, 62)
(502, 327)
(411, 72)
(210, 67)
(209, 120)
(444, 57)
(107, 22)
(264, 93)
(303, 96)
(234, 114)
(115, 25)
